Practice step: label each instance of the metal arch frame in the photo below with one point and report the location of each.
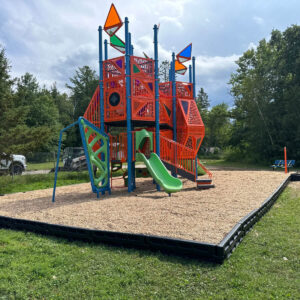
(58, 156)
(101, 131)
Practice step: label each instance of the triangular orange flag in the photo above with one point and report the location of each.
(180, 68)
(113, 21)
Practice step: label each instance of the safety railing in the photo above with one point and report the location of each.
(177, 155)
(118, 147)
(92, 113)
(204, 168)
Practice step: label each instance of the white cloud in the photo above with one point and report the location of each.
(209, 65)
(171, 20)
(53, 38)
(258, 20)
(252, 46)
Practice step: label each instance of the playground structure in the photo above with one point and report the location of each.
(162, 124)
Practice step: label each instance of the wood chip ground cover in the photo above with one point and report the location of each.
(204, 216)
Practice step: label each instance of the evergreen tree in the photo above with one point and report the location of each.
(64, 105)
(84, 84)
(42, 110)
(163, 71)
(218, 126)
(15, 135)
(202, 101)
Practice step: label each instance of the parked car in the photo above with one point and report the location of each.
(74, 159)
(17, 165)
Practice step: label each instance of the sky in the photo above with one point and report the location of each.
(51, 39)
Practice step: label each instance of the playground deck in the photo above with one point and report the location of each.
(204, 216)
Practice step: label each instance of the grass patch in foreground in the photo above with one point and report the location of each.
(264, 266)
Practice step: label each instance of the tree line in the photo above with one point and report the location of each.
(32, 115)
(262, 120)
(265, 115)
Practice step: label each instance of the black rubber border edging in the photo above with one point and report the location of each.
(237, 233)
(204, 251)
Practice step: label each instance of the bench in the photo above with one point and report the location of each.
(281, 164)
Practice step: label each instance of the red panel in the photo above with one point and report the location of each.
(165, 111)
(165, 89)
(184, 90)
(114, 67)
(142, 89)
(114, 82)
(167, 133)
(92, 113)
(145, 66)
(165, 101)
(118, 112)
(190, 128)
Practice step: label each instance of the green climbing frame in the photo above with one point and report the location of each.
(96, 145)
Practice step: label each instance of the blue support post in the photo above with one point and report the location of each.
(106, 58)
(174, 104)
(194, 78)
(128, 110)
(190, 74)
(132, 126)
(194, 96)
(157, 138)
(101, 92)
(101, 80)
(174, 98)
(58, 155)
(105, 50)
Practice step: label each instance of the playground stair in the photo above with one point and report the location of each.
(204, 184)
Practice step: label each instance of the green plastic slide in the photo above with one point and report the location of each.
(154, 165)
(160, 174)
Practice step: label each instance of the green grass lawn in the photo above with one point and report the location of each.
(41, 166)
(26, 183)
(229, 164)
(266, 265)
